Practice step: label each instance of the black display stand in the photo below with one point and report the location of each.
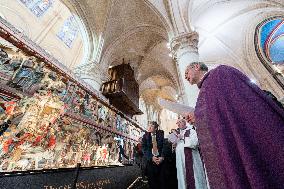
(111, 177)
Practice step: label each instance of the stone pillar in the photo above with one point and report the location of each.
(91, 74)
(185, 51)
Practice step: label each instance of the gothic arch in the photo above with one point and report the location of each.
(163, 17)
(42, 25)
(130, 32)
(265, 78)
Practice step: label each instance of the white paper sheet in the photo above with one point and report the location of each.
(175, 107)
(172, 138)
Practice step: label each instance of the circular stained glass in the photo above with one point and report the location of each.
(271, 40)
(269, 43)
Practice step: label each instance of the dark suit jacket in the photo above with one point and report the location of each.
(147, 144)
(168, 170)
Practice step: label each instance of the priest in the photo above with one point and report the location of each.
(240, 129)
(190, 170)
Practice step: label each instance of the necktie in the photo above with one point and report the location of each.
(155, 151)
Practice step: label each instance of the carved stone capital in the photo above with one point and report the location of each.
(185, 41)
(92, 69)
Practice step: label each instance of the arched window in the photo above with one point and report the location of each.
(68, 31)
(37, 7)
(269, 40)
(59, 31)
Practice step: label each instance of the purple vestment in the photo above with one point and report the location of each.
(190, 181)
(241, 132)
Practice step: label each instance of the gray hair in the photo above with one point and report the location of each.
(202, 66)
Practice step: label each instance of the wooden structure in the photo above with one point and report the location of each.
(122, 89)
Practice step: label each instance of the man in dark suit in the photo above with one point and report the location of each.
(168, 170)
(152, 147)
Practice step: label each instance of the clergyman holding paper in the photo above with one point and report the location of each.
(190, 170)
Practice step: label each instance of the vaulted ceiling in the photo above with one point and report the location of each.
(138, 32)
(132, 31)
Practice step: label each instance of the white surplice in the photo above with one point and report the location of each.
(198, 169)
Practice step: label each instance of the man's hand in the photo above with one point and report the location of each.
(155, 160)
(159, 160)
(190, 118)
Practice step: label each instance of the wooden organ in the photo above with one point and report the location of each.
(122, 89)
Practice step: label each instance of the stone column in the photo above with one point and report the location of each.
(185, 51)
(92, 74)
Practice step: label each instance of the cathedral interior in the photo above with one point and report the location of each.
(79, 77)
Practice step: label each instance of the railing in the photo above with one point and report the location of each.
(112, 87)
(121, 86)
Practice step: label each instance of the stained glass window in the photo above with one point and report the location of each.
(270, 47)
(69, 31)
(37, 7)
(271, 40)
